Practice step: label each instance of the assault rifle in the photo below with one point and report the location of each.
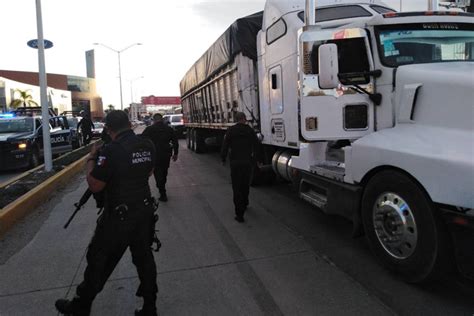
(85, 197)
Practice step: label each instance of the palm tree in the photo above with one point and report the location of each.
(110, 108)
(24, 99)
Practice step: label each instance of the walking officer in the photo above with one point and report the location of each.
(166, 144)
(242, 142)
(121, 170)
(85, 126)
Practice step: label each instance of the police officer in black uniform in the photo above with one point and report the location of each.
(86, 126)
(166, 144)
(242, 142)
(121, 170)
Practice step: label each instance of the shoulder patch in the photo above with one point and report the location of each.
(101, 160)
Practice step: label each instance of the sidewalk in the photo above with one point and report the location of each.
(208, 265)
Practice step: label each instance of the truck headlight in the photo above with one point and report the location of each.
(22, 146)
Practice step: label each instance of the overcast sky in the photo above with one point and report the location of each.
(174, 34)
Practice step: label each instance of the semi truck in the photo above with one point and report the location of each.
(368, 112)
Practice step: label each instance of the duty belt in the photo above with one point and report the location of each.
(122, 209)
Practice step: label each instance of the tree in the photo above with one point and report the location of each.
(25, 99)
(110, 107)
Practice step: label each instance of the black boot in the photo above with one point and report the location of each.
(163, 197)
(149, 306)
(146, 312)
(74, 307)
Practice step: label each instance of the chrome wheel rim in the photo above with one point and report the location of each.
(395, 226)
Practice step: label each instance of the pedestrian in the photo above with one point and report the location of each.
(121, 170)
(166, 144)
(242, 142)
(85, 126)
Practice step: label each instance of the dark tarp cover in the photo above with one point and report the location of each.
(240, 37)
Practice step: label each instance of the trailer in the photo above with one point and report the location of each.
(366, 111)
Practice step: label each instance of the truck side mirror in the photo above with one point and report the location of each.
(328, 66)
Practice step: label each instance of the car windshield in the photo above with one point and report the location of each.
(72, 122)
(176, 118)
(16, 125)
(425, 43)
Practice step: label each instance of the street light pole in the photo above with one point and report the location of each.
(131, 87)
(133, 108)
(48, 159)
(119, 65)
(120, 81)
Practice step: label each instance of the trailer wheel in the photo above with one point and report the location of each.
(193, 139)
(403, 228)
(188, 138)
(200, 145)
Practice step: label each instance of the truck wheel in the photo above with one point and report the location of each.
(200, 146)
(34, 159)
(193, 140)
(188, 138)
(403, 228)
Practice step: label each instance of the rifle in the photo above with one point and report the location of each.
(85, 197)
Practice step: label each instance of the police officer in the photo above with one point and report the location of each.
(86, 126)
(121, 170)
(242, 142)
(166, 144)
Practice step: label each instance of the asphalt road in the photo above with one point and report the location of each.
(287, 259)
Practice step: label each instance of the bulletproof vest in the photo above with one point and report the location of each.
(132, 166)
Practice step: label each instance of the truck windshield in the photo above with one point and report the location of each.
(425, 43)
(16, 126)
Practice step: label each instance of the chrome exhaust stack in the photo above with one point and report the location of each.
(310, 13)
(433, 5)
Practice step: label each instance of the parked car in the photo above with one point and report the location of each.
(21, 139)
(176, 122)
(76, 134)
(98, 128)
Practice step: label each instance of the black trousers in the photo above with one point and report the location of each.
(161, 172)
(240, 175)
(86, 137)
(111, 238)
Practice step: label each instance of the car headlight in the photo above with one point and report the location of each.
(22, 146)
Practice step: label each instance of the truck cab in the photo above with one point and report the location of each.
(383, 102)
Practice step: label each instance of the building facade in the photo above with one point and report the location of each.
(163, 105)
(83, 92)
(59, 100)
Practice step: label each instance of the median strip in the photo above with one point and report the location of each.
(28, 202)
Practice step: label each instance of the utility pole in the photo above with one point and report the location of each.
(48, 158)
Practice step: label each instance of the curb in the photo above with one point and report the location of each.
(19, 208)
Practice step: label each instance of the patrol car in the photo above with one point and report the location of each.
(21, 139)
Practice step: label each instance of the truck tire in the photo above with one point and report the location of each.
(188, 138)
(403, 228)
(200, 145)
(260, 177)
(193, 140)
